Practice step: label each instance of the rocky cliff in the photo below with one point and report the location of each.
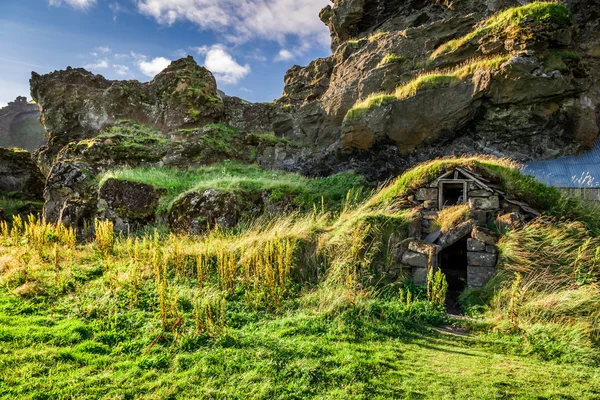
(20, 126)
(407, 82)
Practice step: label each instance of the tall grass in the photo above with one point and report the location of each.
(548, 290)
(331, 263)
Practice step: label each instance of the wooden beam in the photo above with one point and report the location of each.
(437, 181)
(476, 180)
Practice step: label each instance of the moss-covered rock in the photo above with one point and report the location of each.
(198, 211)
(435, 111)
(19, 176)
(77, 104)
(129, 205)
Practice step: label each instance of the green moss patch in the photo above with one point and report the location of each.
(130, 140)
(509, 21)
(392, 59)
(14, 206)
(561, 60)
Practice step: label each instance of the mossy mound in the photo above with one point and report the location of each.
(236, 192)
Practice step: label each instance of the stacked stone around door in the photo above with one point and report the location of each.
(482, 257)
(487, 203)
(421, 256)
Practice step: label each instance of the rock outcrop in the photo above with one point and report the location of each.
(20, 126)
(77, 104)
(409, 81)
(199, 211)
(72, 195)
(130, 205)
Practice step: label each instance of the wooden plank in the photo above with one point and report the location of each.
(443, 176)
(476, 180)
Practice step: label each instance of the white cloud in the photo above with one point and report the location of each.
(100, 64)
(103, 49)
(223, 66)
(243, 20)
(256, 55)
(284, 55)
(153, 67)
(180, 53)
(121, 56)
(137, 56)
(202, 50)
(78, 4)
(121, 69)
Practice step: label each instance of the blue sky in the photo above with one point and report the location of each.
(247, 44)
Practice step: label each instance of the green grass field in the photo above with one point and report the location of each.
(293, 355)
(298, 307)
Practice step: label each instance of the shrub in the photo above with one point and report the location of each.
(105, 236)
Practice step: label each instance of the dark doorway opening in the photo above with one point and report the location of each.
(453, 193)
(453, 263)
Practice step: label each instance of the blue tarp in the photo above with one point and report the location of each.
(570, 172)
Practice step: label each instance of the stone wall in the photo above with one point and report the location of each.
(482, 257)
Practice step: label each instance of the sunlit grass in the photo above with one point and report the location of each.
(237, 177)
(536, 12)
(425, 81)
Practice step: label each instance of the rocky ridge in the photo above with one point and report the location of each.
(533, 96)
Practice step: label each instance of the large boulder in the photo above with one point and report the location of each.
(70, 196)
(129, 205)
(201, 210)
(19, 176)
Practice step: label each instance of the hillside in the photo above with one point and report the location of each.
(20, 126)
